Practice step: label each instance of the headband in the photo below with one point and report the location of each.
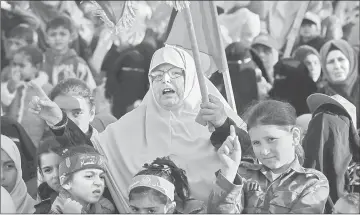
(155, 182)
(79, 162)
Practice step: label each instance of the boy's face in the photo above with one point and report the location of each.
(12, 45)
(308, 30)
(77, 109)
(21, 65)
(343, 207)
(49, 169)
(87, 186)
(59, 39)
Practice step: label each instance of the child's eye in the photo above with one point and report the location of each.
(151, 211)
(271, 139)
(256, 143)
(47, 170)
(10, 166)
(88, 176)
(76, 113)
(134, 209)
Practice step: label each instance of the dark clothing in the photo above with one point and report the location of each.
(316, 43)
(13, 130)
(220, 134)
(354, 97)
(47, 196)
(127, 81)
(329, 145)
(293, 84)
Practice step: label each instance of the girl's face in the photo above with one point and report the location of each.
(21, 64)
(337, 66)
(312, 62)
(49, 169)
(87, 186)
(11, 45)
(148, 203)
(273, 145)
(168, 84)
(8, 172)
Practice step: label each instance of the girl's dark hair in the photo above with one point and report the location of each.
(165, 168)
(273, 112)
(48, 146)
(73, 87)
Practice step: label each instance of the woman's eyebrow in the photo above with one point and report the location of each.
(9, 162)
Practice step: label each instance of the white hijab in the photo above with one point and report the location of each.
(24, 204)
(150, 131)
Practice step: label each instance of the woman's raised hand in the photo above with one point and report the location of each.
(44, 107)
(230, 155)
(213, 112)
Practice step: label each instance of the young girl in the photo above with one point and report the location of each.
(82, 182)
(11, 177)
(278, 183)
(158, 187)
(48, 160)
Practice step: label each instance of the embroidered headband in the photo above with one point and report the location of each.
(79, 162)
(155, 182)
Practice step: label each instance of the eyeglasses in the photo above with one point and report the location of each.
(173, 73)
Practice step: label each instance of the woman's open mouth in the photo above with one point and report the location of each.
(168, 91)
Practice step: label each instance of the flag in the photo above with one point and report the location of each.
(204, 16)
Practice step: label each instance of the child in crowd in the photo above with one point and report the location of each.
(20, 36)
(11, 177)
(162, 188)
(82, 181)
(16, 93)
(61, 62)
(277, 183)
(348, 204)
(48, 160)
(310, 32)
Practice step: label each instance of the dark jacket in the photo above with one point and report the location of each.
(220, 134)
(47, 196)
(330, 144)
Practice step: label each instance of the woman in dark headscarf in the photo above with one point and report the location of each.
(340, 66)
(292, 84)
(311, 58)
(243, 75)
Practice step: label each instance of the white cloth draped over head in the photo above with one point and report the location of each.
(7, 204)
(24, 204)
(150, 131)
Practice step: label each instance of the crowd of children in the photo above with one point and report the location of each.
(298, 152)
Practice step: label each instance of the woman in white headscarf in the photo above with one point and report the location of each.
(11, 177)
(163, 125)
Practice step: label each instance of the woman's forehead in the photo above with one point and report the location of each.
(164, 67)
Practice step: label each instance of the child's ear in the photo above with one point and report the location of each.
(296, 133)
(92, 113)
(171, 207)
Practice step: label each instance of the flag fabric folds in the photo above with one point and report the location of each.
(205, 23)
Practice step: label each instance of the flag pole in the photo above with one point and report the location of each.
(196, 54)
(225, 68)
(295, 28)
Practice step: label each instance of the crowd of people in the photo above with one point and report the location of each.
(120, 125)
